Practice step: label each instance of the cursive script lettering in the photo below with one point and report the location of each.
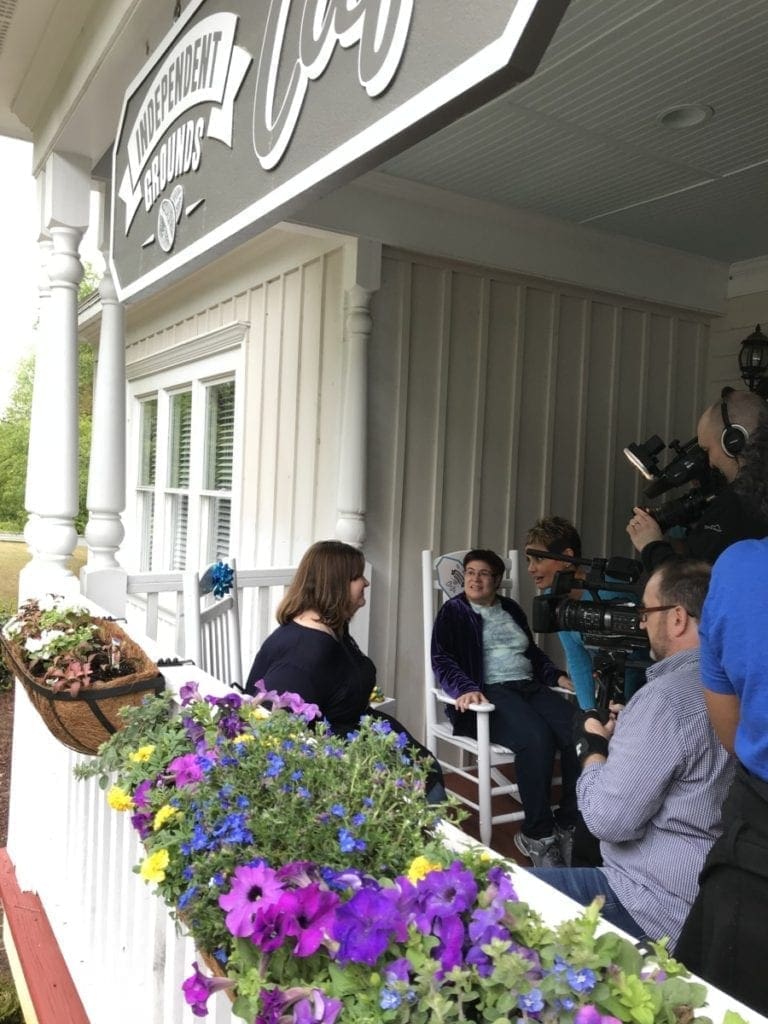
(378, 27)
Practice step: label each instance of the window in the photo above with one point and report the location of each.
(185, 472)
(146, 481)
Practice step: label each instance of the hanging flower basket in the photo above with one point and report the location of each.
(78, 671)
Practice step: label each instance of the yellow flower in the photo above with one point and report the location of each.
(165, 812)
(119, 800)
(153, 867)
(258, 713)
(142, 754)
(420, 867)
(244, 737)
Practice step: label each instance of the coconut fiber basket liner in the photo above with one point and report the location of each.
(84, 722)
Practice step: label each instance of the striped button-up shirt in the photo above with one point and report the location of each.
(655, 803)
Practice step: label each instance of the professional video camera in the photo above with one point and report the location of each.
(610, 625)
(689, 465)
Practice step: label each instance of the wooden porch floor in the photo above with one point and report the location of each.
(502, 839)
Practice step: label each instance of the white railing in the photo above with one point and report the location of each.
(121, 947)
(155, 608)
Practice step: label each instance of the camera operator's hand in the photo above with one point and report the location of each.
(643, 529)
(465, 699)
(591, 735)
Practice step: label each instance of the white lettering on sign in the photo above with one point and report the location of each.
(378, 27)
(178, 154)
(204, 66)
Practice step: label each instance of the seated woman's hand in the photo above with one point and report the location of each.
(465, 699)
(566, 683)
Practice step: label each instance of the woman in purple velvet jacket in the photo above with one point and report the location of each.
(483, 650)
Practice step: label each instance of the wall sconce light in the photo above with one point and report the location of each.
(753, 362)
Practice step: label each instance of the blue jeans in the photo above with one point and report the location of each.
(582, 885)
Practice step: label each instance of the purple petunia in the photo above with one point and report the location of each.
(250, 885)
(189, 693)
(186, 770)
(198, 989)
(363, 926)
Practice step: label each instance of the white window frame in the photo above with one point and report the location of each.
(193, 366)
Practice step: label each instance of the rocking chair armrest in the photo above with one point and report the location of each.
(480, 709)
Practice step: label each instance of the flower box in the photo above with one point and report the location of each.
(83, 712)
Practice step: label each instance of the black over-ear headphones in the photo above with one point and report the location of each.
(734, 437)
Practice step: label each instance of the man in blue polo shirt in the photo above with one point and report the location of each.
(724, 936)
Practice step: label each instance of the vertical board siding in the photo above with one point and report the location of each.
(494, 400)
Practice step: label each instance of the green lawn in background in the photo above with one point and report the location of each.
(13, 556)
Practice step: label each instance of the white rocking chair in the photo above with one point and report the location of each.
(443, 577)
(212, 626)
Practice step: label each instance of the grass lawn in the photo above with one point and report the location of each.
(13, 556)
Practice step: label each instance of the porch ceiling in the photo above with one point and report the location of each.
(580, 141)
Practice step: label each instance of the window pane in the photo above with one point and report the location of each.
(148, 454)
(146, 528)
(220, 436)
(179, 504)
(181, 434)
(217, 516)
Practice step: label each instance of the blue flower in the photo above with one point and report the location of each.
(581, 979)
(346, 841)
(358, 820)
(275, 765)
(338, 810)
(531, 1002)
(389, 999)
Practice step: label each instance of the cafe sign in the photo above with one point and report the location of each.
(248, 110)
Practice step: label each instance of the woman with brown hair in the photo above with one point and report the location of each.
(312, 653)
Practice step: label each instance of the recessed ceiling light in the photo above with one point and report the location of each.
(688, 115)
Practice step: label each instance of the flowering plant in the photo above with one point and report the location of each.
(64, 646)
(315, 880)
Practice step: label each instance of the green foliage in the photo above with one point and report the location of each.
(10, 1011)
(14, 440)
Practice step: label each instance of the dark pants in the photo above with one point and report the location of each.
(535, 722)
(723, 939)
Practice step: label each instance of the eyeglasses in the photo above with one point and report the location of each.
(477, 574)
(645, 612)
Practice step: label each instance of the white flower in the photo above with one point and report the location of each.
(33, 644)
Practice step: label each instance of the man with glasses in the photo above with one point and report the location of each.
(654, 776)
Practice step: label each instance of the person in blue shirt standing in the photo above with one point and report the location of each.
(723, 937)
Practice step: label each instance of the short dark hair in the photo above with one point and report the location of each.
(684, 581)
(553, 533)
(498, 567)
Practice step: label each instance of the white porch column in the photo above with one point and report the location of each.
(103, 579)
(364, 277)
(53, 489)
(36, 450)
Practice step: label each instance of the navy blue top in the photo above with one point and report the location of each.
(323, 670)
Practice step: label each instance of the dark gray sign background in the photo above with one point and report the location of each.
(443, 34)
